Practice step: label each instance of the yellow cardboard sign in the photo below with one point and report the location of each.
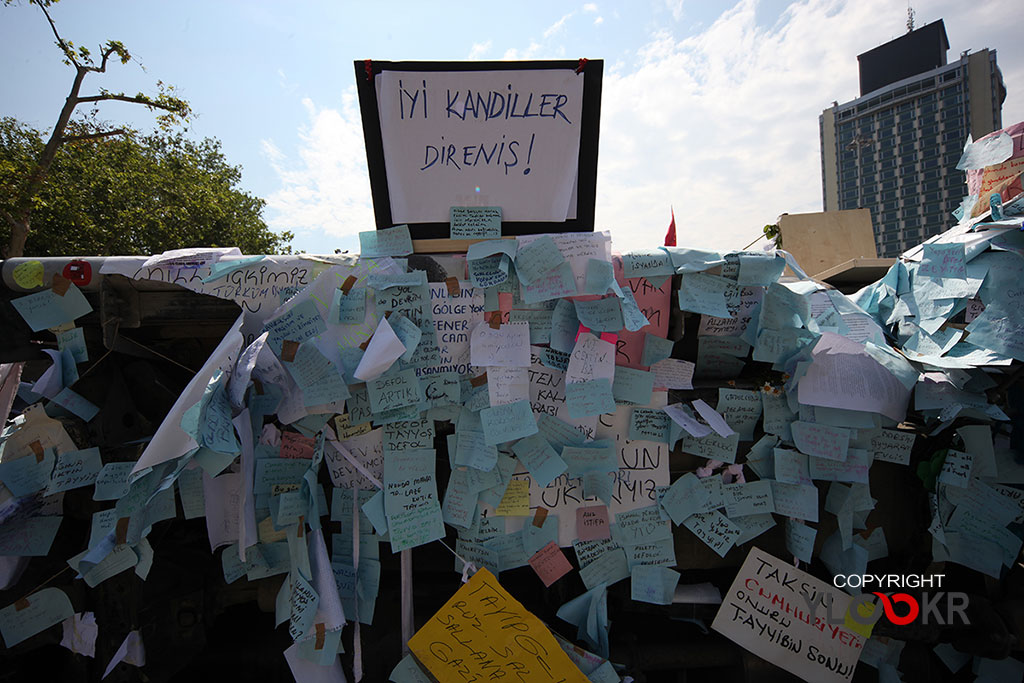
(482, 633)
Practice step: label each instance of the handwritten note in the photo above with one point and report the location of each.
(28, 616)
(943, 260)
(488, 620)
(474, 222)
(821, 440)
(537, 258)
(592, 523)
(550, 563)
(751, 617)
(75, 469)
(508, 422)
(507, 346)
(394, 241)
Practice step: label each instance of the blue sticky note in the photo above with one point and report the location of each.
(943, 260)
(76, 403)
(472, 450)
(348, 309)
(593, 397)
(539, 458)
(656, 585)
(707, 294)
(408, 333)
(633, 386)
(374, 510)
(489, 271)
(656, 349)
(508, 422)
(48, 309)
(560, 282)
(759, 268)
(634, 318)
(393, 390)
(308, 365)
(28, 537)
(596, 456)
(598, 485)
(537, 258)
(300, 323)
(27, 474)
(648, 263)
(601, 315)
(559, 433)
(75, 469)
(112, 481)
(474, 222)
(74, 339)
(45, 608)
(684, 497)
(611, 567)
(649, 424)
(394, 241)
(564, 326)
(800, 540)
(599, 278)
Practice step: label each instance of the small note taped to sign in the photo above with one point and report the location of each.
(475, 222)
(791, 619)
(483, 633)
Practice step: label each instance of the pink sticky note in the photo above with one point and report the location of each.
(592, 523)
(550, 563)
(581, 331)
(610, 337)
(296, 445)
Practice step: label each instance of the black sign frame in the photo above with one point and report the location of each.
(586, 183)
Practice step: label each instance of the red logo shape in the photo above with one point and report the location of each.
(79, 272)
(890, 612)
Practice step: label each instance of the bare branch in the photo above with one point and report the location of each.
(65, 48)
(93, 136)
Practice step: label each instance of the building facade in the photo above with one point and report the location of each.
(894, 149)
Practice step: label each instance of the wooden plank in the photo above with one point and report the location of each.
(820, 241)
(442, 246)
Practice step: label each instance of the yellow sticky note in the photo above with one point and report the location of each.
(516, 501)
(29, 274)
(482, 633)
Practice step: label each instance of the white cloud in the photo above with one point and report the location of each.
(590, 7)
(557, 26)
(723, 125)
(479, 50)
(326, 191)
(598, 21)
(676, 8)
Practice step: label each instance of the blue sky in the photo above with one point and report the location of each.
(710, 107)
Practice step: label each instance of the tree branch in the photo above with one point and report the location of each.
(126, 98)
(93, 136)
(68, 52)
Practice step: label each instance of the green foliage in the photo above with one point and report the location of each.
(132, 195)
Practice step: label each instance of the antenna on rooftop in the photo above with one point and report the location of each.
(910, 17)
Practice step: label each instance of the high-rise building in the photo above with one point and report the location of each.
(894, 149)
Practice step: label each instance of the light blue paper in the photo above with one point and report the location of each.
(648, 263)
(633, 386)
(397, 389)
(75, 469)
(707, 294)
(601, 315)
(77, 404)
(348, 309)
(46, 607)
(593, 397)
(26, 474)
(560, 282)
(540, 459)
(656, 349)
(508, 422)
(394, 241)
(656, 585)
(538, 258)
(47, 309)
(649, 424)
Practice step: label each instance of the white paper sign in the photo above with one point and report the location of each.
(515, 135)
(791, 619)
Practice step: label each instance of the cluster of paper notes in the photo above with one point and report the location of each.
(527, 403)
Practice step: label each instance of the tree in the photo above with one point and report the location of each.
(133, 195)
(18, 213)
